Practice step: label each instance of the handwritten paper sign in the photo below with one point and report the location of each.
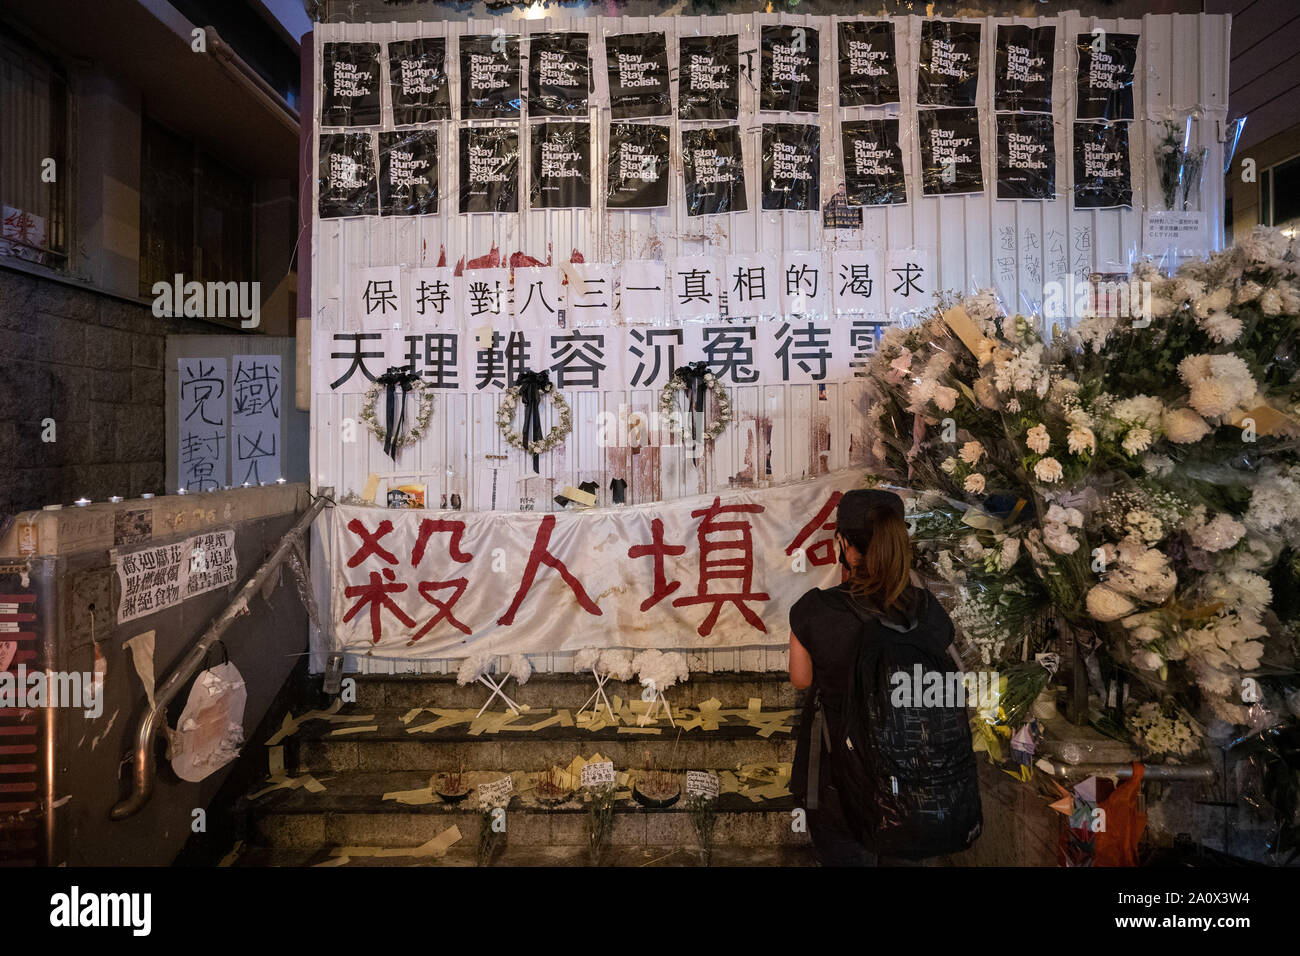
(203, 440)
(496, 793)
(161, 576)
(598, 774)
(702, 783)
(1183, 232)
(255, 418)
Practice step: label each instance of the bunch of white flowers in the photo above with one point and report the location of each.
(1160, 734)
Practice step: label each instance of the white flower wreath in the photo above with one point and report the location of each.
(552, 439)
(412, 434)
(668, 406)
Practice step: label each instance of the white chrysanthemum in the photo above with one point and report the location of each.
(1147, 660)
(1157, 465)
(474, 667)
(971, 452)
(974, 483)
(520, 668)
(1215, 301)
(1213, 398)
(1136, 441)
(1248, 291)
(944, 398)
(1048, 470)
(1182, 426)
(1193, 369)
(585, 659)
(1080, 439)
(1071, 517)
(1057, 537)
(1010, 553)
(1107, 605)
(1221, 532)
(1270, 302)
(615, 663)
(1221, 326)
(948, 466)
(1038, 440)
(1142, 410)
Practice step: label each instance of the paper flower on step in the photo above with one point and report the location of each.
(585, 659)
(660, 670)
(520, 668)
(474, 667)
(615, 663)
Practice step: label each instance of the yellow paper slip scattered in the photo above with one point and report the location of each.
(280, 780)
(435, 847)
(640, 730)
(367, 729)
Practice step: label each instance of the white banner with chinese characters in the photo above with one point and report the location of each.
(710, 571)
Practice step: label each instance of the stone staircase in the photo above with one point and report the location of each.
(328, 806)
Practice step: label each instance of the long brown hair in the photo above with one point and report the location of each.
(884, 572)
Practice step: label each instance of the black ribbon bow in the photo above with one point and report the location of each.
(697, 390)
(395, 413)
(531, 386)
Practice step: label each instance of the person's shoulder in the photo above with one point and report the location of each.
(813, 601)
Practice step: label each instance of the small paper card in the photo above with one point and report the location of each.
(703, 783)
(496, 792)
(598, 774)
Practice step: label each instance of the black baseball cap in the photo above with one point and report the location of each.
(857, 505)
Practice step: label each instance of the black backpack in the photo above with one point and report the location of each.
(907, 777)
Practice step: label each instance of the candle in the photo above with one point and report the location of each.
(82, 502)
(115, 499)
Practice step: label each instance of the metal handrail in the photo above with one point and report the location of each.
(145, 766)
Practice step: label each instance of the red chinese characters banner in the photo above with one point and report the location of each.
(710, 571)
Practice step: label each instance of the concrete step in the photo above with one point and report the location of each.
(732, 689)
(536, 856)
(352, 811)
(399, 740)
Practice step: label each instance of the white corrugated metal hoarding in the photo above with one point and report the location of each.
(781, 433)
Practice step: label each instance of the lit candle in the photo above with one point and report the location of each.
(147, 494)
(280, 480)
(81, 502)
(115, 499)
(180, 491)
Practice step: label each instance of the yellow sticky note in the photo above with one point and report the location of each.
(755, 703)
(371, 489)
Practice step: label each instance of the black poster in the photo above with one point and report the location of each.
(561, 165)
(638, 166)
(346, 177)
(637, 64)
(1026, 157)
(788, 71)
(873, 163)
(489, 77)
(1022, 78)
(417, 79)
(950, 152)
(868, 64)
(559, 74)
(708, 87)
(489, 169)
(1106, 65)
(1102, 177)
(350, 84)
(714, 171)
(408, 173)
(791, 166)
(948, 70)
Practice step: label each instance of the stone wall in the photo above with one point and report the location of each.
(94, 364)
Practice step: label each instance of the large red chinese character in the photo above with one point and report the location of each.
(658, 550)
(823, 550)
(370, 542)
(427, 527)
(376, 594)
(428, 588)
(726, 554)
(537, 557)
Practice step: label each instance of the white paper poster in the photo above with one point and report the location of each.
(484, 298)
(694, 287)
(538, 296)
(752, 284)
(432, 299)
(161, 576)
(805, 285)
(643, 291)
(910, 280)
(591, 294)
(859, 282)
(202, 419)
(255, 393)
(377, 298)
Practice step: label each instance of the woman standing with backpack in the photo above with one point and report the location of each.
(879, 781)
